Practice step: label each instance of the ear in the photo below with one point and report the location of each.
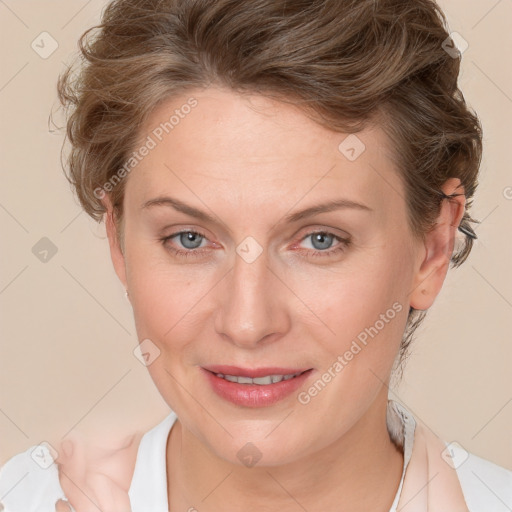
(116, 253)
(437, 249)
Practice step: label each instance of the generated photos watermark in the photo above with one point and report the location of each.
(357, 345)
(149, 144)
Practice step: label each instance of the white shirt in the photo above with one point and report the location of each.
(26, 487)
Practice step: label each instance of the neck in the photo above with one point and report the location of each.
(335, 478)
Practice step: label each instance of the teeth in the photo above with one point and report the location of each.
(261, 381)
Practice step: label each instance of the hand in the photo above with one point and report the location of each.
(97, 479)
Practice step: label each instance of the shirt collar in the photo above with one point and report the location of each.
(148, 488)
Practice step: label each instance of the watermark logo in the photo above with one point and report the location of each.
(44, 45)
(146, 352)
(44, 250)
(455, 45)
(249, 250)
(249, 455)
(454, 455)
(149, 144)
(352, 147)
(44, 455)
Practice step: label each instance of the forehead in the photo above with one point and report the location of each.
(257, 150)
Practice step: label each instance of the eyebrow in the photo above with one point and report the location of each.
(290, 218)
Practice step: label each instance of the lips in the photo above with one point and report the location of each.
(254, 387)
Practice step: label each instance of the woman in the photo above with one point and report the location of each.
(283, 186)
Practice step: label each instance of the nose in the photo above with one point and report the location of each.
(254, 304)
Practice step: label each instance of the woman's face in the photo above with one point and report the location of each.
(258, 289)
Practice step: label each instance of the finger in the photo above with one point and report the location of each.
(62, 506)
(79, 497)
(118, 464)
(75, 460)
(111, 497)
(73, 476)
(96, 478)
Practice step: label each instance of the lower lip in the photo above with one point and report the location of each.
(254, 395)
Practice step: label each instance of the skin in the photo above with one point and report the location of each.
(95, 477)
(249, 161)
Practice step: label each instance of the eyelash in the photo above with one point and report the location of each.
(344, 244)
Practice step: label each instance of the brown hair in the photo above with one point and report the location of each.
(345, 62)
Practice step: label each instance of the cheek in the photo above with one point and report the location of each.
(166, 306)
(338, 303)
(164, 296)
(359, 293)
(365, 308)
(166, 310)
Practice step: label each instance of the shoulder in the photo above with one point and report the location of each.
(485, 485)
(29, 481)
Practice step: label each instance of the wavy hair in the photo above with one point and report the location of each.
(344, 62)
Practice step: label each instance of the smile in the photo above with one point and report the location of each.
(260, 381)
(262, 387)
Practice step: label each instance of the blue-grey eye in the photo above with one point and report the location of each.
(322, 241)
(190, 239)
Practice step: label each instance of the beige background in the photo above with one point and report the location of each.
(67, 335)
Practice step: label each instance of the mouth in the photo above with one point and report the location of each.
(259, 387)
(259, 381)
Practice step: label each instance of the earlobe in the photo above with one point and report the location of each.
(437, 249)
(116, 254)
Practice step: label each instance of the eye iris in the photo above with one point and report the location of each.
(189, 236)
(322, 237)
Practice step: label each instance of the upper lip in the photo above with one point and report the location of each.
(253, 372)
